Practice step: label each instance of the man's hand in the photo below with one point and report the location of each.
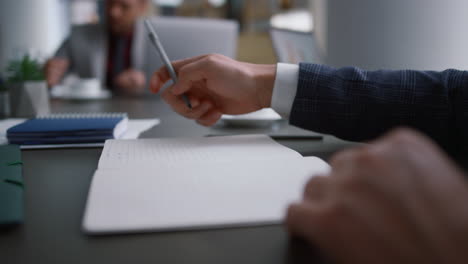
(216, 85)
(400, 200)
(55, 69)
(130, 82)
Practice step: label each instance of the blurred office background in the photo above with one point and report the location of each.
(419, 34)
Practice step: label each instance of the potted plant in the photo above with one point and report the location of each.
(29, 96)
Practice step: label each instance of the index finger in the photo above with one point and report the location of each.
(161, 76)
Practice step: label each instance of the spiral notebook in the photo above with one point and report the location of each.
(69, 128)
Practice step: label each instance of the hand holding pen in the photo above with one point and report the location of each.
(216, 85)
(162, 53)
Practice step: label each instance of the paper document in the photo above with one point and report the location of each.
(194, 183)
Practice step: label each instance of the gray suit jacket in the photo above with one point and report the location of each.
(86, 47)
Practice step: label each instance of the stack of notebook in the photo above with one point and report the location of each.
(69, 128)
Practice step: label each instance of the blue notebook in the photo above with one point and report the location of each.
(69, 129)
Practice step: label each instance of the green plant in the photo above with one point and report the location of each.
(25, 69)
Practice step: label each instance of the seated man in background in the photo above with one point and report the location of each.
(107, 51)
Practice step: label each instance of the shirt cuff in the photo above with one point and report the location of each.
(285, 88)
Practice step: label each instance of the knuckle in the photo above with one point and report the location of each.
(212, 56)
(183, 71)
(407, 141)
(311, 184)
(364, 157)
(354, 183)
(183, 112)
(357, 157)
(189, 113)
(340, 157)
(358, 175)
(211, 59)
(403, 136)
(332, 213)
(196, 113)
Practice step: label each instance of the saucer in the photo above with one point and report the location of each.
(263, 117)
(64, 92)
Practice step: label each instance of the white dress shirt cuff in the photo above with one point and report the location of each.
(284, 90)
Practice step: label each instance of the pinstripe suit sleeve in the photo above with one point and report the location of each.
(360, 105)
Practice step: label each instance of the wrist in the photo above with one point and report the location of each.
(264, 83)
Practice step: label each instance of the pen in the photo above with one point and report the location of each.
(157, 44)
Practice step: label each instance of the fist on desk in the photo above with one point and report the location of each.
(130, 82)
(399, 200)
(55, 69)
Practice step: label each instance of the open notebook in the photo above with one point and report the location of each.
(194, 183)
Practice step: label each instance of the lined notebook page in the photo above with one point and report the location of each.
(176, 151)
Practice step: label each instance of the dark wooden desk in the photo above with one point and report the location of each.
(57, 183)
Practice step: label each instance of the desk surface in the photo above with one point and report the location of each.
(57, 183)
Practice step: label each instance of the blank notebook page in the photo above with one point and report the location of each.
(175, 151)
(196, 197)
(177, 184)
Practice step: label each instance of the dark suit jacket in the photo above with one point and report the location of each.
(360, 105)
